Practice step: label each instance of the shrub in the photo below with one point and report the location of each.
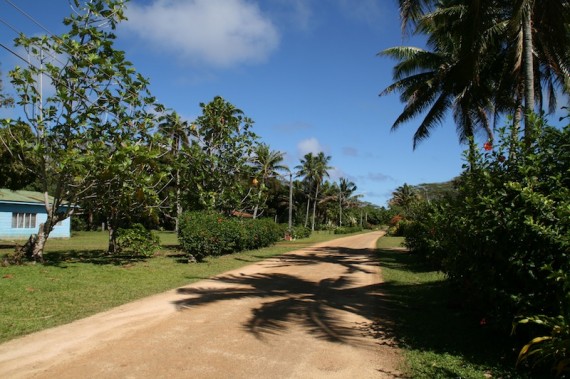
(138, 239)
(510, 219)
(299, 232)
(203, 234)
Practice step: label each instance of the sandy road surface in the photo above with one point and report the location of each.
(306, 314)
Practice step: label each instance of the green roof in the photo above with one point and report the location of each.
(7, 195)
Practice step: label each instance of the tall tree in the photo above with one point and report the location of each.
(307, 170)
(98, 99)
(267, 164)
(504, 51)
(220, 156)
(177, 132)
(346, 189)
(403, 197)
(320, 172)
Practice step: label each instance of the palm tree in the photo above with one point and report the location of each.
(441, 78)
(307, 170)
(345, 190)
(176, 131)
(314, 168)
(321, 171)
(501, 49)
(267, 164)
(404, 196)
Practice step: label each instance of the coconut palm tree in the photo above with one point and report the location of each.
(506, 52)
(345, 190)
(176, 131)
(306, 170)
(441, 78)
(267, 164)
(321, 171)
(314, 168)
(404, 196)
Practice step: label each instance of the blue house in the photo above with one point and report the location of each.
(22, 212)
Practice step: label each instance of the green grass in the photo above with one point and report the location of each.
(79, 279)
(439, 339)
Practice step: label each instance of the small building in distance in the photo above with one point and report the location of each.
(22, 212)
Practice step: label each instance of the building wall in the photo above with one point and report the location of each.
(7, 232)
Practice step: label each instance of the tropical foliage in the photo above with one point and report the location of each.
(483, 59)
(504, 239)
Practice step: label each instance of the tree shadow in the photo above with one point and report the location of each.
(290, 300)
(62, 258)
(352, 260)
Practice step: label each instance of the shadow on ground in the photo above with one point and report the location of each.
(97, 257)
(293, 300)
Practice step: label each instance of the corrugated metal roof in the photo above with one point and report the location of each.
(7, 195)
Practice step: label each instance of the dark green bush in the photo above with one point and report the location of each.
(203, 234)
(509, 221)
(138, 240)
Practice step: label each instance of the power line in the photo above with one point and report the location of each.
(57, 38)
(30, 17)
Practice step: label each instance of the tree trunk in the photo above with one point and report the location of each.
(315, 208)
(340, 210)
(307, 213)
(256, 209)
(528, 72)
(39, 242)
(178, 202)
(113, 247)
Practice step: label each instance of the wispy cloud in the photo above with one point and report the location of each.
(379, 177)
(205, 32)
(350, 151)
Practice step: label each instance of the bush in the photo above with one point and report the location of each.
(138, 239)
(203, 234)
(299, 232)
(510, 219)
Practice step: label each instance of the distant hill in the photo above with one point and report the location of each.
(433, 191)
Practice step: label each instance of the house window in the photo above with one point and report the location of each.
(23, 220)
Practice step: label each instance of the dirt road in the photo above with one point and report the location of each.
(307, 314)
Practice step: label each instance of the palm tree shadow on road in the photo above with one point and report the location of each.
(291, 300)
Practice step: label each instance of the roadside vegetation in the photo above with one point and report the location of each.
(439, 339)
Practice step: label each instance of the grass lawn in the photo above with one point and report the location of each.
(439, 339)
(79, 279)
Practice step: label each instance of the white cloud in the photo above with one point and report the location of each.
(309, 145)
(222, 33)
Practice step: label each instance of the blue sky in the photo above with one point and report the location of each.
(306, 72)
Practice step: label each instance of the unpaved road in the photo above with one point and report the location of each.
(307, 314)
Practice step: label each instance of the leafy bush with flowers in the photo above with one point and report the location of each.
(203, 234)
(508, 230)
